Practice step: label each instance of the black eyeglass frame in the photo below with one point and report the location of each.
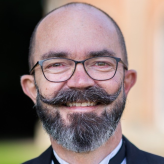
(77, 62)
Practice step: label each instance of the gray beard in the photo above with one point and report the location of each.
(86, 131)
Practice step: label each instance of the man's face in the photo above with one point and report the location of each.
(77, 35)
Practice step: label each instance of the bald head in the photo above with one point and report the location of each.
(77, 17)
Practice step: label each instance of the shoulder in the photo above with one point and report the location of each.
(44, 158)
(30, 161)
(155, 159)
(137, 156)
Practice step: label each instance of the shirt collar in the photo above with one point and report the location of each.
(112, 154)
(104, 161)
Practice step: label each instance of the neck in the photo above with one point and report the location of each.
(94, 157)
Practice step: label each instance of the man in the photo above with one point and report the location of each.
(79, 81)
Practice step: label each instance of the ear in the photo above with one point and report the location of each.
(28, 86)
(129, 80)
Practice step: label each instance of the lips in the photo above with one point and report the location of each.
(83, 104)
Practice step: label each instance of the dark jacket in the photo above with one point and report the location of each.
(133, 156)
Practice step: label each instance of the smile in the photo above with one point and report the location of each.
(83, 104)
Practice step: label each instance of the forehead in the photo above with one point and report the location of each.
(76, 31)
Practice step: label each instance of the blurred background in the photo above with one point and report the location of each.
(142, 23)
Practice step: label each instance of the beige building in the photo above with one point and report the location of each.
(142, 23)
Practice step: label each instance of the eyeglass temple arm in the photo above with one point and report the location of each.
(125, 66)
(32, 69)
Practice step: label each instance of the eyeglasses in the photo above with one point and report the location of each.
(62, 69)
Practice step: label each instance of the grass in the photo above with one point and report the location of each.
(16, 152)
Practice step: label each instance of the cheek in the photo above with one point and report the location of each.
(48, 89)
(110, 86)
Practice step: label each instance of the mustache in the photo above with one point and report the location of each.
(92, 94)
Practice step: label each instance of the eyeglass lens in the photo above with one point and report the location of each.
(99, 68)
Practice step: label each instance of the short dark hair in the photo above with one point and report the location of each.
(120, 35)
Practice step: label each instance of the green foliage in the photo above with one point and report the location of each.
(16, 152)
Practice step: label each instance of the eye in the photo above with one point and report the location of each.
(55, 65)
(101, 63)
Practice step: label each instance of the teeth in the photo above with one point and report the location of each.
(84, 104)
(77, 104)
(81, 104)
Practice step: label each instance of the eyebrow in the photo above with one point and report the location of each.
(91, 54)
(52, 54)
(104, 52)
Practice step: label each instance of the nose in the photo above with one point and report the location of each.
(80, 78)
